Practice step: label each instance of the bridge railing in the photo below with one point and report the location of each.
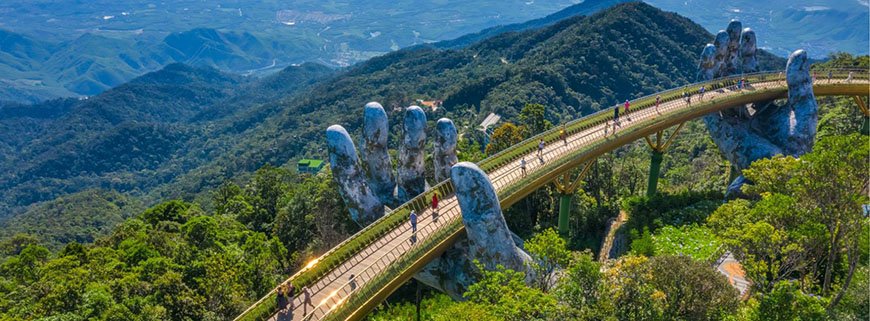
(338, 255)
(385, 268)
(604, 115)
(321, 266)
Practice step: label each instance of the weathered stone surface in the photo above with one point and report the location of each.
(445, 148)
(411, 155)
(488, 241)
(364, 206)
(736, 139)
(707, 67)
(731, 61)
(452, 272)
(489, 237)
(748, 49)
(792, 126)
(745, 134)
(721, 44)
(376, 155)
(802, 102)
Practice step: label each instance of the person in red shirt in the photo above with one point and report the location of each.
(435, 207)
(627, 104)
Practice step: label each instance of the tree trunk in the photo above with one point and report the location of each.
(853, 264)
(832, 253)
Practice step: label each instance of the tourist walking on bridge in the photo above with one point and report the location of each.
(280, 301)
(523, 166)
(849, 78)
(541, 151)
(830, 76)
(703, 90)
(291, 292)
(306, 300)
(687, 97)
(627, 104)
(615, 117)
(563, 135)
(435, 207)
(413, 218)
(658, 102)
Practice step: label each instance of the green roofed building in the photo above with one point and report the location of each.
(310, 166)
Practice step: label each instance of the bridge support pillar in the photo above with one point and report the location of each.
(655, 166)
(658, 151)
(564, 212)
(566, 187)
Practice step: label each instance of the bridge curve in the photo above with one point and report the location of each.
(382, 256)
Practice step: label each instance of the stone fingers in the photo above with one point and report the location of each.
(802, 102)
(347, 172)
(376, 153)
(412, 154)
(445, 148)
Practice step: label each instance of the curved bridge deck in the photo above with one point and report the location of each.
(383, 265)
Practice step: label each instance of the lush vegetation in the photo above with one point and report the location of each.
(175, 261)
(807, 259)
(635, 288)
(81, 218)
(132, 138)
(238, 226)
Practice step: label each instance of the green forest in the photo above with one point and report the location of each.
(199, 212)
(214, 127)
(176, 261)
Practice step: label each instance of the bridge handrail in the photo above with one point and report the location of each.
(384, 224)
(865, 74)
(404, 251)
(501, 158)
(573, 126)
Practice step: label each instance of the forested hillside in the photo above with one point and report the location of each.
(80, 217)
(182, 131)
(82, 48)
(574, 67)
(133, 137)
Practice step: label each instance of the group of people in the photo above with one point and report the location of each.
(284, 301)
(627, 106)
(412, 217)
(831, 77)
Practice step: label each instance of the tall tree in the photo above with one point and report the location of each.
(504, 136)
(533, 120)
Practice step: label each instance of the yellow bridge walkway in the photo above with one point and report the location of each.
(383, 265)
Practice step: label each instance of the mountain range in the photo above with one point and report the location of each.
(52, 49)
(181, 131)
(72, 48)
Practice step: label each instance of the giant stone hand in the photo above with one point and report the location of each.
(366, 192)
(745, 134)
